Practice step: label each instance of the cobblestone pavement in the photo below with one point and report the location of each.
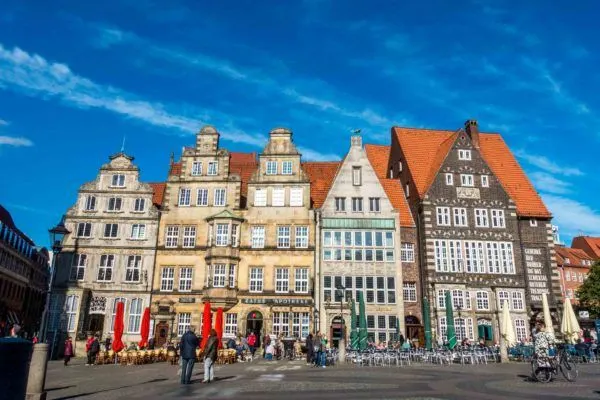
(295, 380)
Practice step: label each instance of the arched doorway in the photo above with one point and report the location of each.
(337, 331)
(414, 329)
(254, 323)
(484, 329)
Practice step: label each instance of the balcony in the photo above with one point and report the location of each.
(221, 297)
(223, 252)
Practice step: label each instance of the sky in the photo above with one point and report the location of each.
(78, 78)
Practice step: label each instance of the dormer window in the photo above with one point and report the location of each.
(213, 167)
(567, 261)
(286, 168)
(464, 155)
(356, 176)
(533, 223)
(271, 167)
(449, 179)
(467, 180)
(118, 180)
(197, 168)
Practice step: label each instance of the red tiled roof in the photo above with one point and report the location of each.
(575, 256)
(159, 192)
(379, 158)
(589, 244)
(425, 150)
(321, 175)
(175, 169)
(243, 164)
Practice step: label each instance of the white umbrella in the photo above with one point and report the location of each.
(547, 318)
(569, 326)
(507, 330)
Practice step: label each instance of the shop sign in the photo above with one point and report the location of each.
(278, 302)
(536, 274)
(187, 299)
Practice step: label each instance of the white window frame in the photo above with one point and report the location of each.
(301, 236)
(282, 280)
(485, 181)
(504, 295)
(357, 204)
(460, 216)
(517, 301)
(71, 309)
(184, 320)
(221, 235)
(139, 205)
(114, 204)
(498, 220)
(481, 218)
(185, 197)
(118, 180)
(231, 325)
(483, 301)
(133, 268)
(167, 279)
(106, 268)
(296, 197)
(220, 197)
(271, 168)
(286, 168)
(258, 236)
(84, 230)
(172, 236)
(219, 275)
(196, 168)
(231, 276)
(278, 197)
(189, 236)
(136, 307)
(567, 275)
(283, 237)
(409, 292)
(356, 176)
(301, 280)
(520, 329)
(78, 267)
(260, 197)
(213, 168)
(186, 276)
(374, 204)
(90, 203)
(256, 280)
(443, 216)
(340, 204)
(407, 252)
(202, 197)
(533, 222)
(467, 180)
(464, 155)
(138, 232)
(449, 179)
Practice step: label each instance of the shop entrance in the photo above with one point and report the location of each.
(96, 324)
(161, 334)
(254, 323)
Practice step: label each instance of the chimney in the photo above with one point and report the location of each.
(356, 141)
(473, 131)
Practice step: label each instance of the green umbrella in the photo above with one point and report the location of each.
(362, 323)
(427, 323)
(353, 332)
(450, 331)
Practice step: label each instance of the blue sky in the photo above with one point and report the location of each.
(77, 77)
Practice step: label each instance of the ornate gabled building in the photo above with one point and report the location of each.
(589, 244)
(108, 256)
(484, 232)
(573, 267)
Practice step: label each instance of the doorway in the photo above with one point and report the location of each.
(254, 323)
(484, 330)
(161, 334)
(414, 329)
(96, 324)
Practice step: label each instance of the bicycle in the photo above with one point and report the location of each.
(544, 369)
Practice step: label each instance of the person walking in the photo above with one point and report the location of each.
(210, 356)
(309, 349)
(187, 350)
(68, 352)
(252, 343)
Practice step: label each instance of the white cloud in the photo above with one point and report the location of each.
(15, 141)
(545, 182)
(312, 155)
(547, 165)
(572, 216)
(4, 122)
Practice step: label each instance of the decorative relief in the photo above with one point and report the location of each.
(98, 305)
(467, 193)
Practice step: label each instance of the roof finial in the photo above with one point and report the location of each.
(123, 145)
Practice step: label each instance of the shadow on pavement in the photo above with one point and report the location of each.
(527, 378)
(111, 389)
(59, 388)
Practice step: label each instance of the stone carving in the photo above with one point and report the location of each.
(98, 305)
(467, 193)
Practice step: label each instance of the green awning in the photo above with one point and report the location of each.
(359, 223)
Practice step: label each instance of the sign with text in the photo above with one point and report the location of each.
(537, 277)
(279, 302)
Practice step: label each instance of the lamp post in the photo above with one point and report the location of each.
(315, 321)
(57, 235)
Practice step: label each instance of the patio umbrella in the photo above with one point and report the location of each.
(145, 328)
(118, 327)
(427, 323)
(507, 330)
(219, 327)
(362, 323)
(450, 331)
(353, 332)
(569, 326)
(547, 318)
(206, 324)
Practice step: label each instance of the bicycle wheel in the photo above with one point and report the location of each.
(540, 374)
(568, 369)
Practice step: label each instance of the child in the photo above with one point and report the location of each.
(270, 350)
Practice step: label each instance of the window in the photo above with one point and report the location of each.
(302, 236)
(483, 301)
(460, 216)
(533, 223)
(357, 204)
(219, 275)
(410, 292)
(464, 155)
(296, 197)
(231, 282)
(271, 167)
(580, 275)
(568, 274)
(118, 180)
(256, 280)
(441, 255)
(485, 181)
(222, 238)
(506, 255)
(449, 179)
(107, 262)
(466, 180)
(213, 167)
(231, 326)
(278, 197)
(281, 324)
(301, 280)
(258, 237)
(220, 197)
(167, 278)
(78, 267)
(116, 301)
(139, 205)
(517, 301)
(282, 277)
(340, 204)
(185, 196)
(135, 315)
(286, 168)
(520, 329)
(374, 204)
(300, 324)
(84, 229)
(185, 279)
(133, 268)
(443, 216)
(407, 252)
(260, 197)
(196, 168)
(356, 176)
(184, 320)
(407, 190)
(189, 236)
(172, 236)
(481, 218)
(202, 199)
(71, 306)
(498, 219)
(464, 328)
(138, 231)
(90, 203)
(283, 236)
(115, 203)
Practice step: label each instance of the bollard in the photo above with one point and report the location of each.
(341, 351)
(37, 373)
(14, 363)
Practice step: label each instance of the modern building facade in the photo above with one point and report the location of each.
(109, 255)
(573, 267)
(484, 233)
(24, 277)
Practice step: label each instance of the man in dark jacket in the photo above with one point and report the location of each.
(187, 352)
(210, 356)
(93, 350)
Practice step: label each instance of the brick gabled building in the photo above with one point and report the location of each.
(484, 232)
(573, 267)
(589, 244)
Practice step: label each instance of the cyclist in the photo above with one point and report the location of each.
(543, 341)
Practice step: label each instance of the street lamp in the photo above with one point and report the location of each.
(316, 321)
(341, 292)
(57, 234)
